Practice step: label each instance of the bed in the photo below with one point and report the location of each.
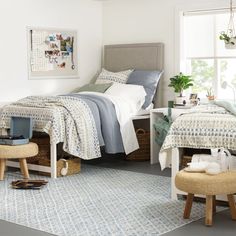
(203, 127)
(116, 58)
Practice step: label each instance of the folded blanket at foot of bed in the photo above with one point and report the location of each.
(83, 122)
(65, 119)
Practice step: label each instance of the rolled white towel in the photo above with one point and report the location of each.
(213, 168)
(198, 166)
(201, 157)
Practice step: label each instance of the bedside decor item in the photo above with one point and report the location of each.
(229, 37)
(193, 98)
(52, 53)
(171, 104)
(180, 83)
(210, 95)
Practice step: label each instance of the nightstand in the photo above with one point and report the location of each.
(154, 114)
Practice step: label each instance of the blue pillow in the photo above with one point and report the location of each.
(149, 80)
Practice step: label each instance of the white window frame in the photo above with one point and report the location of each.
(215, 58)
(179, 58)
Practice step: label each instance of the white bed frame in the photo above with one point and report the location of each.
(145, 56)
(176, 153)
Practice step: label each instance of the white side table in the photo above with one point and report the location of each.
(141, 117)
(154, 114)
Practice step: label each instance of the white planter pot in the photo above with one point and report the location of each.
(230, 45)
(180, 100)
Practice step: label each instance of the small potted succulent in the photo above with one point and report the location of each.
(230, 41)
(210, 95)
(180, 83)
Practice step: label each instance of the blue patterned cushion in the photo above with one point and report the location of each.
(149, 80)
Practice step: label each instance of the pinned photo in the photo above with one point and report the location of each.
(62, 65)
(54, 45)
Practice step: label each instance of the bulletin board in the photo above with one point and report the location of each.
(52, 53)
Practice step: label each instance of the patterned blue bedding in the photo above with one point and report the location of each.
(105, 118)
(83, 122)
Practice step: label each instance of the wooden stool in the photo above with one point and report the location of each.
(20, 152)
(201, 183)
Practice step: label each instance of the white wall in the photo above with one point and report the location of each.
(143, 21)
(83, 15)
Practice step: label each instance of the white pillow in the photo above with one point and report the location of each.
(117, 77)
(134, 94)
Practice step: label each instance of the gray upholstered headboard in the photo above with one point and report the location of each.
(146, 56)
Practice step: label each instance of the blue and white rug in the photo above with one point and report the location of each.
(98, 201)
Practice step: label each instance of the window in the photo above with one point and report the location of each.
(205, 56)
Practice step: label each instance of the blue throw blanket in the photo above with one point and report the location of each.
(107, 125)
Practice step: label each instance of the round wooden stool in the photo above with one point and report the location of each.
(20, 152)
(209, 185)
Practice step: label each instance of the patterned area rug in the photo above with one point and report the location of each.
(98, 201)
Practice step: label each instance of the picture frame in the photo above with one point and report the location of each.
(193, 98)
(52, 53)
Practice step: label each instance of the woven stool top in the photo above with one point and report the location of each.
(18, 151)
(201, 183)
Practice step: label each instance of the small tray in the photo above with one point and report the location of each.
(14, 141)
(28, 184)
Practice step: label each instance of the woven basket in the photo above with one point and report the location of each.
(43, 157)
(44, 149)
(185, 160)
(73, 166)
(143, 153)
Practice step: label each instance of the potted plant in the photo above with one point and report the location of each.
(230, 42)
(180, 83)
(210, 95)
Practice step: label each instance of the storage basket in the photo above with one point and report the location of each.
(185, 160)
(143, 153)
(43, 157)
(44, 149)
(73, 166)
